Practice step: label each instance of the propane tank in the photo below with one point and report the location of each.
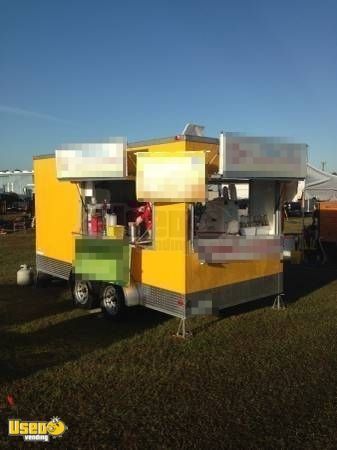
(133, 295)
(24, 275)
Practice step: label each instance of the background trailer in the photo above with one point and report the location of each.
(195, 261)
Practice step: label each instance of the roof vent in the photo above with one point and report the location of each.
(191, 129)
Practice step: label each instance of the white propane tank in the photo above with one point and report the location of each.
(24, 275)
(132, 295)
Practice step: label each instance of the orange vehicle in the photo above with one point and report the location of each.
(327, 221)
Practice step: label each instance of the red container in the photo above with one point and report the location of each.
(96, 225)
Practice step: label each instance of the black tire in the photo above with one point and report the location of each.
(83, 294)
(112, 302)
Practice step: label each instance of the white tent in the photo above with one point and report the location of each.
(18, 181)
(319, 184)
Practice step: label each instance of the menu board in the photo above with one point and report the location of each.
(252, 157)
(92, 161)
(171, 177)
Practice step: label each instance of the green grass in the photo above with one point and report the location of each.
(251, 378)
(294, 225)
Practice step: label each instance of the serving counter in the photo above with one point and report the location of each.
(228, 248)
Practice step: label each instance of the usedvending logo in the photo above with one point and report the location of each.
(37, 430)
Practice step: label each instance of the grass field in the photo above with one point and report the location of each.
(294, 225)
(251, 378)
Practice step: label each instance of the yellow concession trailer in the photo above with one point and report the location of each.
(208, 250)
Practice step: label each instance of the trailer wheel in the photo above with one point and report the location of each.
(112, 302)
(83, 295)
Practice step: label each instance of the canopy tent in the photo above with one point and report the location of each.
(319, 184)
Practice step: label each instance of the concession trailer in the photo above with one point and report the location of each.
(200, 256)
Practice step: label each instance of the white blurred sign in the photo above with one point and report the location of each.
(252, 157)
(92, 161)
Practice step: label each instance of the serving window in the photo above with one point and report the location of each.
(239, 221)
(237, 209)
